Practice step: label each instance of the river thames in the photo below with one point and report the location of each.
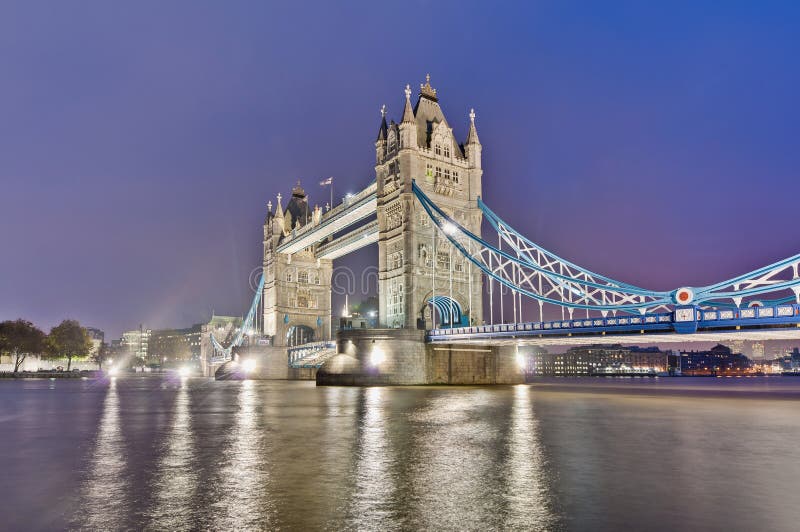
(158, 453)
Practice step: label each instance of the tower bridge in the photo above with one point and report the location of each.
(424, 210)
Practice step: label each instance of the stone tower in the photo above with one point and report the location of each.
(422, 148)
(297, 288)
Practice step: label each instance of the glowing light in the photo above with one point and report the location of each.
(249, 365)
(449, 228)
(520, 361)
(112, 371)
(377, 356)
(184, 371)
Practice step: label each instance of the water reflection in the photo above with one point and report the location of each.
(527, 493)
(243, 494)
(371, 505)
(176, 479)
(105, 502)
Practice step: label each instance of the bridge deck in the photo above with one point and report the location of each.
(764, 323)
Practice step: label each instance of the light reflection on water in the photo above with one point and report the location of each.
(203, 455)
(176, 478)
(106, 496)
(243, 494)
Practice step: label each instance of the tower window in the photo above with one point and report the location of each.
(446, 151)
(429, 170)
(455, 176)
(438, 172)
(438, 149)
(302, 277)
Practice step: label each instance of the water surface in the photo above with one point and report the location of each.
(154, 453)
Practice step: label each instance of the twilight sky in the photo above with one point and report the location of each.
(140, 141)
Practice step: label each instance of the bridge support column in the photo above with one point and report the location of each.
(370, 357)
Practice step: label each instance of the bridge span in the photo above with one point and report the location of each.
(441, 253)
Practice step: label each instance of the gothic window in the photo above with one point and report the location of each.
(438, 149)
(424, 219)
(458, 266)
(394, 216)
(302, 301)
(455, 176)
(302, 277)
(447, 173)
(396, 260)
(438, 172)
(443, 260)
(289, 276)
(446, 150)
(429, 170)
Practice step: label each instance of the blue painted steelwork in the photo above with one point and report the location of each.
(221, 353)
(529, 270)
(664, 322)
(449, 310)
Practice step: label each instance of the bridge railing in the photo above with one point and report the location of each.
(301, 351)
(705, 318)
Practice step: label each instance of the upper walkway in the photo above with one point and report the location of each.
(352, 210)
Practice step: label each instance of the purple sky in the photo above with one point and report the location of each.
(141, 140)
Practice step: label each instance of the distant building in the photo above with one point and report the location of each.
(600, 360)
(758, 350)
(135, 343)
(718, 359)
(169, 346)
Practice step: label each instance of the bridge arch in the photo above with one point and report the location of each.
(448, 310)
(299, 335)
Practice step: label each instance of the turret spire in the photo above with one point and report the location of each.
(472, 136)
(279, 209)
(408, 113)
(384, 128)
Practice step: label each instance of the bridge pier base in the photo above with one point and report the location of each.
(374, 357)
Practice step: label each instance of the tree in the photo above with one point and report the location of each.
(69, 340)
(101, 355)
(20, 338)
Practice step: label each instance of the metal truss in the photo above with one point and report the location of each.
(226, 353)
(532, 271)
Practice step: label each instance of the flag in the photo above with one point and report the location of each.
(325, 182)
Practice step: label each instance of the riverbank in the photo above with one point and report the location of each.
(93, 374)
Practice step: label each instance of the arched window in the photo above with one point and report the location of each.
(302, 276)
(446, 150)
(438, 149)
(289, 276)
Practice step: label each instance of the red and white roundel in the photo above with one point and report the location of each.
(684, 296)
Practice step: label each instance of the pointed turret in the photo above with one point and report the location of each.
(408, 127)
(408, 112)
(473, 146)
(472, 136)
(383, 129)
(278, 223)
(279, 209)
(380, 143)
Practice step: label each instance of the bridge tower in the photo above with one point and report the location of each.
(413, 261)
(297, 287)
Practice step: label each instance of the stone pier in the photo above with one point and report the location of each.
(369, 357)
